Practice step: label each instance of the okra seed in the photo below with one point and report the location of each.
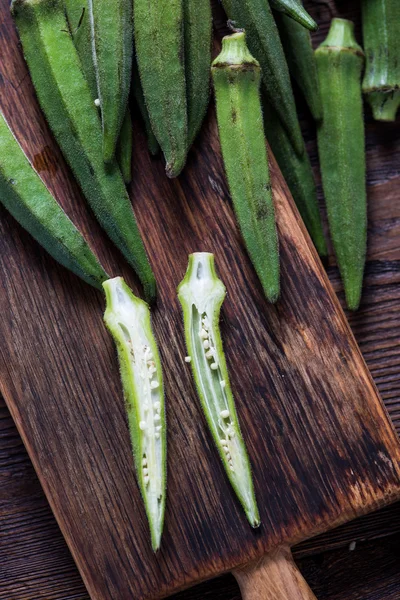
(203, 334)
(145, 471)
(188, 359)
(157, 405)
(157, 417)
(146, 479)
(154, 385)
(222, 383)
(224, 442)
(224, 413)
(214, 366)
(142, 425)
(159, 427)
(209, 354)
(206, 344)
(157, 436)
(144, 462)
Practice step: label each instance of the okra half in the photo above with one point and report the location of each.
(201, 295)
(256, 18)
(128, 320)
(26, 197)
(381, 36)
(66, 101)
(296, 11)
(159, 42)
(198, 32)
(341, 146)
(112, 46)
(236, 76)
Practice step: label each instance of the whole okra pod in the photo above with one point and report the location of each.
(112, 46)
(381, 36)
(263, 40)
(236, 76)
(26, 197)
(201, 295)
(159, 42)
(128, 320)
(198, 32)
(298, 174)
(66, 101)
(341, 145)
(295, 10)
(296, 41)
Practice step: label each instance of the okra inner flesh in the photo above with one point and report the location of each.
(128, 320)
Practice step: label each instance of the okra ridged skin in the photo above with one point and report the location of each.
(124, 148)
(264, 43)
(198, 35)
(79, 26)
(66, 101)
(299, 53)
(201, 294)
(26, 197)
(159, 42)
(112, 46)
(381, 38)
(128, 320)
(341, 146)
(236, 76)
(296, 11)
(153, 145)
(298, 174)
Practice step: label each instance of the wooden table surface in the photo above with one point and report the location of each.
(34, 560)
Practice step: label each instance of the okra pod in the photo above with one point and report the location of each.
(256, 18)
(201, 295)
(158, 26)
(295, 10)
(124, 148)
(66, 101)
(296, 41)
(26, 197)
(198, 33)
(79, 27)
(112, 46)
(298, 174)
(341, 145)
(381, 35)
(152, 143)
(128, 320)
(236, 76)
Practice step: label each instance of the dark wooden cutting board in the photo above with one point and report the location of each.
(322, 448)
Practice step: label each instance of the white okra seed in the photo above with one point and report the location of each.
(209, 354)
(188, 359)
(157, 436)
(146, 479)
(157, 417)
(145, 471)
(154, 385)
(157, 405)
(214, 366)
(144, 462)
(222, 383)
(203, 334)
(159, 427)
(142, 425)
(224, 442)
(224, 413)
(206, 344)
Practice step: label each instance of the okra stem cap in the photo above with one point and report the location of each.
(235, 51)
(341, 35)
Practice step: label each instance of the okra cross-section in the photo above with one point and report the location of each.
(128, 320)
(201, 294)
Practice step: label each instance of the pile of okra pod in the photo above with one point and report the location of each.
(86, 57)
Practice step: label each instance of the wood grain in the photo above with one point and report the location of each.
(67, 288)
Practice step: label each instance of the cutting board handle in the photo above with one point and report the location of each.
(273, 577)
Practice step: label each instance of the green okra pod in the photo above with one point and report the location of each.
(152, 143)
(256, 18)
(66, 101)
(159, 42)
(201, 295)
(296, 41)
(236, 76)
(26, 197)
(198, 33)
(298, 174)
(381, 36)
(112, 46)
(295, 10)
(124, 148)
(341, 146)
(128, 320)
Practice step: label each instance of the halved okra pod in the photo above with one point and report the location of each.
(198, 31)
(296, 11)
(66, 101)
(159, 42)
(201, 295)
(296, 41)
(236, 76)
(26, 197)
(341, 146)
(112, 46)
(256, 18)
(381, 36)
(128, 320)
(298, 174)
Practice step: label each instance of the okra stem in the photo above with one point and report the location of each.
(341, 145)
(26, 197)
(295, 11)
(128, 320)
(201, 295)
(236, 76)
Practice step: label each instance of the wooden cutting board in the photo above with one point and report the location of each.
(322, 448)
